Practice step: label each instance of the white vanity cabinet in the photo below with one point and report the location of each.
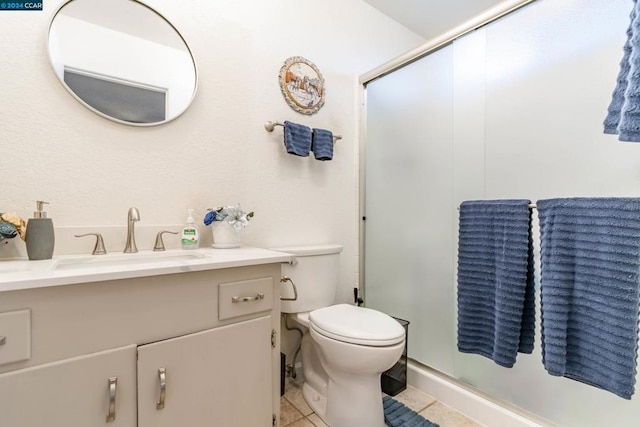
(72, 392)
(194, 349)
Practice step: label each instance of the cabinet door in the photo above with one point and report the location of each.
(219, 377)
(71, 393)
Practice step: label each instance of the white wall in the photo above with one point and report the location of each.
(92, 170)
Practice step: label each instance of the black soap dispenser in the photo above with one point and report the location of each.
(40, 237)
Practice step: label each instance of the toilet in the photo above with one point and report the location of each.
(345, 348)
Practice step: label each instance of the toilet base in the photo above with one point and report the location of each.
(343, 409)
(316, 401)
(355, 402)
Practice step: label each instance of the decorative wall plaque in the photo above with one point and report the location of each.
(302, 85)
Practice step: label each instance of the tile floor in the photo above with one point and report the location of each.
(294, 412)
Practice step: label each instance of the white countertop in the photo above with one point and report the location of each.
(73, 269)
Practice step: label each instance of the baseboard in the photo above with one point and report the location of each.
(472, 403)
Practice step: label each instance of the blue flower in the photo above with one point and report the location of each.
(209, 217)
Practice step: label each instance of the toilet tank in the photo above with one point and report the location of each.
(315, 274)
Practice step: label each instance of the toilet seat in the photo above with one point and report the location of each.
(356, 325)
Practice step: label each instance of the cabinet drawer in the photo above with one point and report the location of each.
(245, 297)
(15, 336)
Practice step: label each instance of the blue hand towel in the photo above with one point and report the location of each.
(297, 139)
(612, 120)
(629, 126)
(322, 145)
(496, 296)
(590, 271)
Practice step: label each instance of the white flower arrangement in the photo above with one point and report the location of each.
(233, 215)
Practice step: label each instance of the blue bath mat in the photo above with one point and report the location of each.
(398, 415)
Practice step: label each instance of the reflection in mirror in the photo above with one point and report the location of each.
(122, 60)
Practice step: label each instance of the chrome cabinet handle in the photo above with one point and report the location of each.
(113, 383)
(162, 375)
(295, 290)
(258, 297)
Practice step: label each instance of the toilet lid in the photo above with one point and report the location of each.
(356, 325)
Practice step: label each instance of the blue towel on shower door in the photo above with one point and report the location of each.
(629, 126)
(297, 139)
(612, 120)
(590, 272)
(496, 297)
(322, 144)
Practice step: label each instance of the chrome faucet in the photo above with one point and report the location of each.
(132, 217)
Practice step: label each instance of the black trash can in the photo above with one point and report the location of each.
(282, 373)
(394, 380)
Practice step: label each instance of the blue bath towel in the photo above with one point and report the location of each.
(397, 414)
(322, 144)
(612, 120)
(297, 139)
(496, 296)
(629, 126)
(590, 271)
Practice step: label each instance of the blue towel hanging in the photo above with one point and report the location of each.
(297, 139)
(612, 120)
(629, 126)
(623, 116)
(590, 272)
(496, 296)
(322, 144)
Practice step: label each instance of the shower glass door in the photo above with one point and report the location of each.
(511, 110)
(409, 200)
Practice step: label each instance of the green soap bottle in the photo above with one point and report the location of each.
(190, 238)
(40, 237)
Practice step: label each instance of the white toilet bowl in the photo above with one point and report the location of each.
(344, 352)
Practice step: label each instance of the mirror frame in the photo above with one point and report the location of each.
(106, 116)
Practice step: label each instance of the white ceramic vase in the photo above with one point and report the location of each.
(225, 235)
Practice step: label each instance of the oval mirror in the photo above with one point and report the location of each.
(122, 60)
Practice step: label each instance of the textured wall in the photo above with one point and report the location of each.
(92, 170)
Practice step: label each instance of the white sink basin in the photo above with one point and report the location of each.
(97, 261)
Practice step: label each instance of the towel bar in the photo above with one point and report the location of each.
(270, 126)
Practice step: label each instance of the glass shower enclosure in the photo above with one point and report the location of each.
(511, 110)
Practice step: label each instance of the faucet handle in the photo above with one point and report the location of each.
(159, 246)
(99, 248)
